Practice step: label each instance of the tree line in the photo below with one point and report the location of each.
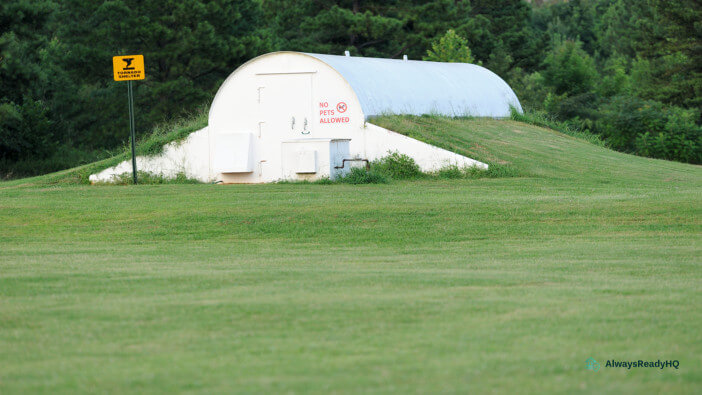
(627, 70)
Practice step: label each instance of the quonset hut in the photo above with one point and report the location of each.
(291, 115)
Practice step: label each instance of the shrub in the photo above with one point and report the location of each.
(667, 146)
(625, 117)
(530, 88)
(450, 172)
(361, 175)
(564, 107)
(146, 178)
(397, 166)
(649, 128)
(494, 170)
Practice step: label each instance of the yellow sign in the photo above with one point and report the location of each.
(128, 67)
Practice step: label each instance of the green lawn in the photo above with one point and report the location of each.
(451, 286)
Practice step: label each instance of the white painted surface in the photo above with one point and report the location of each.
(233, 153)
(309, 159)
(395, 86)
(379, 142)
(190, 156)
(306, 162)
(286, 96)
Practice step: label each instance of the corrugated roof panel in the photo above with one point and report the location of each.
(418, 87)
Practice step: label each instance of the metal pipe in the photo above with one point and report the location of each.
(343, 163)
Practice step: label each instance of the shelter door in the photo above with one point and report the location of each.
(285, 113)
(286, 105)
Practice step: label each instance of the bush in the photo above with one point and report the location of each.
(494, 170)
(361, 175)
(565, 107)
(146, 178)
(625, 117)
(450, 172)
(666, 146)
(649, 128)
(397, 166)
(530, 88)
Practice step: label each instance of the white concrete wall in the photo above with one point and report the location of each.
(379, 142)
(190, 156)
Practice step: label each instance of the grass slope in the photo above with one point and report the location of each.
(151, 144)
(454, 286)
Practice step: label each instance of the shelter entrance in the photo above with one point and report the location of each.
(282, 114)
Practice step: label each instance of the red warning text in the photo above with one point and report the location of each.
(331, 115)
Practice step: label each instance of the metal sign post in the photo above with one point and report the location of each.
(131, 129)
(129, 68)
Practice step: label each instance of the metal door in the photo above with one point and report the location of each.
(285, 104)
(285, 113)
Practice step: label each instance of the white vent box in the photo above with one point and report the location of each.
(306, 162)
(314, 158)
(233, 153)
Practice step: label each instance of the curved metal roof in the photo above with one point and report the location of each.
(419, 87)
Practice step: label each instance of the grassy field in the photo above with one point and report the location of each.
(451, 286)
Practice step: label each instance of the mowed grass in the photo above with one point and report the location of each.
(502, 285)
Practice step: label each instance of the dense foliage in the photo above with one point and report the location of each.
(627, 70)
(58, 103)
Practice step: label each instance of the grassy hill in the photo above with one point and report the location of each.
(540, 152)
(486, 285)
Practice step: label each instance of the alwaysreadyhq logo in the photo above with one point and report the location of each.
(643, 364)
(591, 364)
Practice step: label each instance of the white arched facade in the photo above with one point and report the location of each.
(291, 115)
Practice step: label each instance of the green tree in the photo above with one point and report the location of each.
(499, 28)
(189, 47)
(569, 70)
(450, 48)
(373, 28)
(570, 20)
(672, 46)
(25, 128)
(584, 61)
(571, 75)
(621, 27)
